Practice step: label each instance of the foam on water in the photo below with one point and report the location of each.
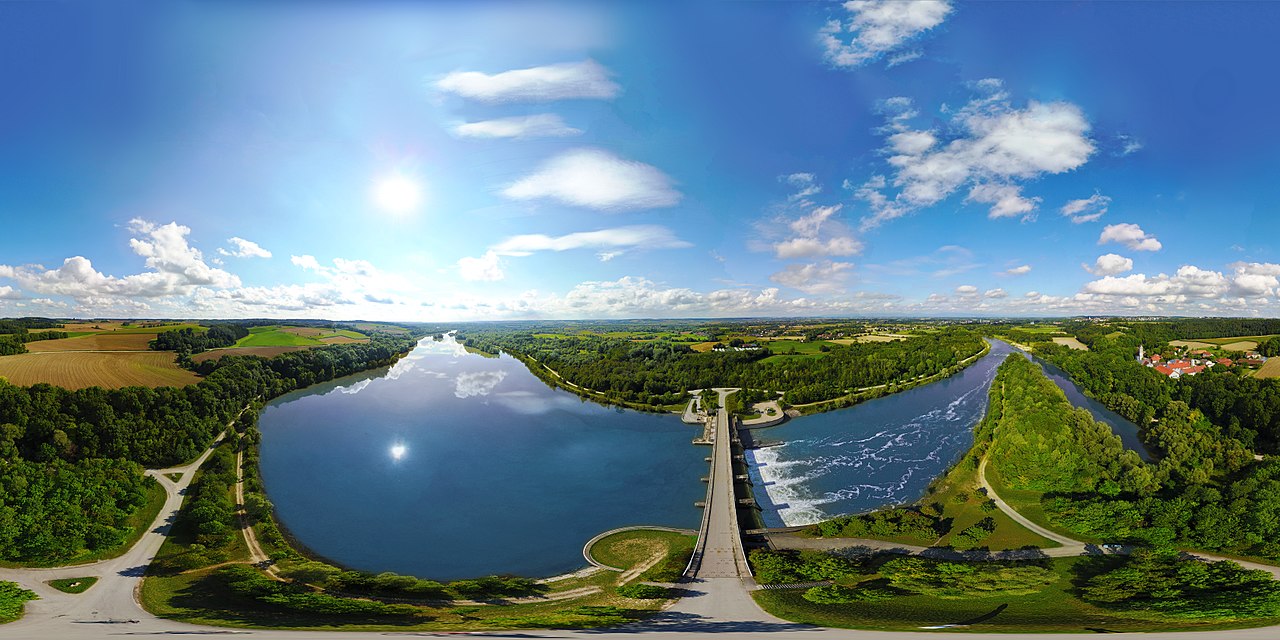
(878, 453)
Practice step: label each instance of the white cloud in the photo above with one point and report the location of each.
(636, 236)
(486, 268)
(993, 149)
(1109, 265)
(813, 247)
(573, 80)
(9, 293)
(815, 278)
(1020, 270)
(966, 290)
(1127, 145)
(1006, 200)
(1255, 278)
(1130, 235)
(598, 180)
(806, 236)
(176, 268)
(242, 248)
(1087, 209)
(1188, 281)
(993, 294)
(806, 185)
(542, 125)
(874, 28)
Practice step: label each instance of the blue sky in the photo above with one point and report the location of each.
(489, 161)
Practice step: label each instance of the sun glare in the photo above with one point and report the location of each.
(397, 194)
(398, 451)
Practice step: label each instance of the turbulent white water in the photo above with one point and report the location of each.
(878, 453)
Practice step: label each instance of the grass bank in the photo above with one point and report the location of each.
(1054, 609)
(627, 549)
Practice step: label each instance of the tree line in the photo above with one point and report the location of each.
(1206, 491)
(658, 372)
(14, 334)
(190, 340)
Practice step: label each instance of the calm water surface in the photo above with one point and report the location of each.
(453, 465)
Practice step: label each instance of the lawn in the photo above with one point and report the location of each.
(73, 585)
(276, 336)
(1027, 503)
(80, 369)
(197, 598)
(626, 549)
(958, 494)
(1054, 609)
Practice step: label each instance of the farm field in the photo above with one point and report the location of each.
(1192, 344)
(78, 370)
(1234, 343)
(321, 333)
(99, 341)
(1071, 342)
(276, 336)
(874, 337)
(1269, 369)
(105, 336)
(264, 352)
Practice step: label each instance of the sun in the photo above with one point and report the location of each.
(398, 451)
(397, 194)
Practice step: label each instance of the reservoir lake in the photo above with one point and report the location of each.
(454, 465)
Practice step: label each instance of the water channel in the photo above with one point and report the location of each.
(887, 451)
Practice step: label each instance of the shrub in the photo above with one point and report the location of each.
(641, 591)
(839, 594)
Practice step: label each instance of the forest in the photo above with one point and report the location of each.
(658, 372)
(15, 333)
(189, 340)
(1206, 491)
(72, 460)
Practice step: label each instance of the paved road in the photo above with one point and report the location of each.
(721, 578)
(58, 615)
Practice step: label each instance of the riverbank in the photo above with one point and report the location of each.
(879, 391)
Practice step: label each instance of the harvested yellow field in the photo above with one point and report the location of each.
(1242, 345)
(1192, 344)
(1269, 369)
(343, 340)
(873, 337)
(1071, 342)
(310, 332)
(703, 347)
(102, 341)
(78, 370)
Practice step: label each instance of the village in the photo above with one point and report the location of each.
(1189, 362)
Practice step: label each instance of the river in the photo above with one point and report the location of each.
(886, 451)
(452, 465)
